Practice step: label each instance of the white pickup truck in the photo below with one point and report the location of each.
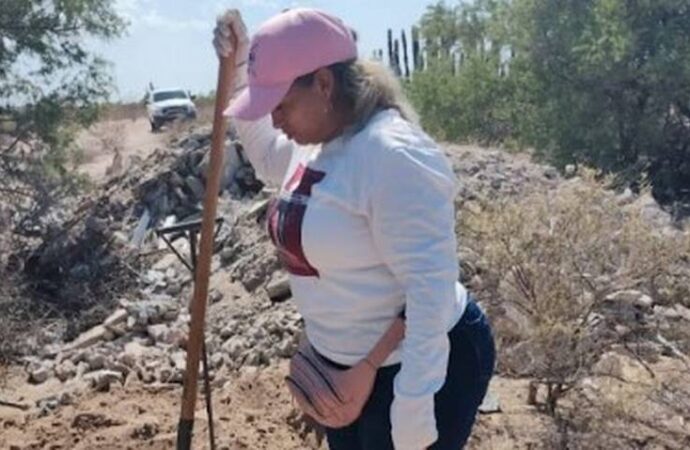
(164, 105)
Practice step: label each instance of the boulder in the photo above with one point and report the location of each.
(102, 379)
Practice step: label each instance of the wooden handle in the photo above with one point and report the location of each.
(226, 76)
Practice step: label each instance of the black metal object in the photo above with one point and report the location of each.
(189, 229)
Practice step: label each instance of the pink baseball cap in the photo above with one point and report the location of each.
(293, 43)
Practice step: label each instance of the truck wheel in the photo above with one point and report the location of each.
(155, 126)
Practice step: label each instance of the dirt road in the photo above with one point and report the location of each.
(109, 146)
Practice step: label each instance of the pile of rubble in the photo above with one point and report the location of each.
(145, 339)
(143, 336)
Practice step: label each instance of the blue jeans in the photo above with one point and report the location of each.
(470, 366)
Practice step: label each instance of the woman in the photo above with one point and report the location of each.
(365, 226)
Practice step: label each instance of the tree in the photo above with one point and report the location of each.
(604, 83)
(49, 84)
(439, 28)
(615, 86)
(470, 102)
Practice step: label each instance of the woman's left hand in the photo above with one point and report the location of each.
(334, 398)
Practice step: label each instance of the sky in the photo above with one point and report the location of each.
(168, 42)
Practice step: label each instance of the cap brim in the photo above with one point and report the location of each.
(256, 101)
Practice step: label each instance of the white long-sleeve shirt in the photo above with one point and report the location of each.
(365, 226)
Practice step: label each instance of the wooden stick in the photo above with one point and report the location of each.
(226, 76)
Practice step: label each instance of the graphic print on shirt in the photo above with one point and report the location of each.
(285, 218)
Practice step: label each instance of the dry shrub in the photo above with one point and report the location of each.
(547, 262)
(633, 408)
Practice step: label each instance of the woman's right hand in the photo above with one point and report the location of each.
(230, 36)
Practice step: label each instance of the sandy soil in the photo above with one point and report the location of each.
(252, 411)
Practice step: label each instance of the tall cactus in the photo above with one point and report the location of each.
(391, 57)
(416, 56)
(404, 47)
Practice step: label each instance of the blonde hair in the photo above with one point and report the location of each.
(363, 88)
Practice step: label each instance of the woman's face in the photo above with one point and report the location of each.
(305, 114)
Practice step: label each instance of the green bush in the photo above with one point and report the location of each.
(467, 106)
(604, 83)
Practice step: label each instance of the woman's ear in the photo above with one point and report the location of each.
(324, 83)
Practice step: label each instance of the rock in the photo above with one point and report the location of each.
(101, 379)
(622, 330)
(40, 373)
(234, 346)
(490, 404)
(82, 368)
(164, 374)
(258, 209)
(227, 255)
(133, 353)
(96, 361)
(159, 333)
(65, 370)
(165, 334)
(48, 404)
(228, 331)
(179, 360)
(683, 311)
(195, 186)
(170, 315)
(118, 367)
(158, 309)
(176, 179)
(145, 431)
(215, 296)
(184, 318)
(286, 349)
(217, 360)
(155, 278)
(570, 170)
(258, 333)
(65, 398)
(256, 357)
(631, 297)
(90, 337)
(167, 261)
(132, 323)
(174, 289)
(279, 289)
(131, 379)
(181, 196)
(668, 313)
(171, 274)
(118, 317)
(118, 330)
(550, 173)
(251, 280)
(121, 239)
(50, 350)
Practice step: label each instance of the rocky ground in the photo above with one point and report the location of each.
(107, 374)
